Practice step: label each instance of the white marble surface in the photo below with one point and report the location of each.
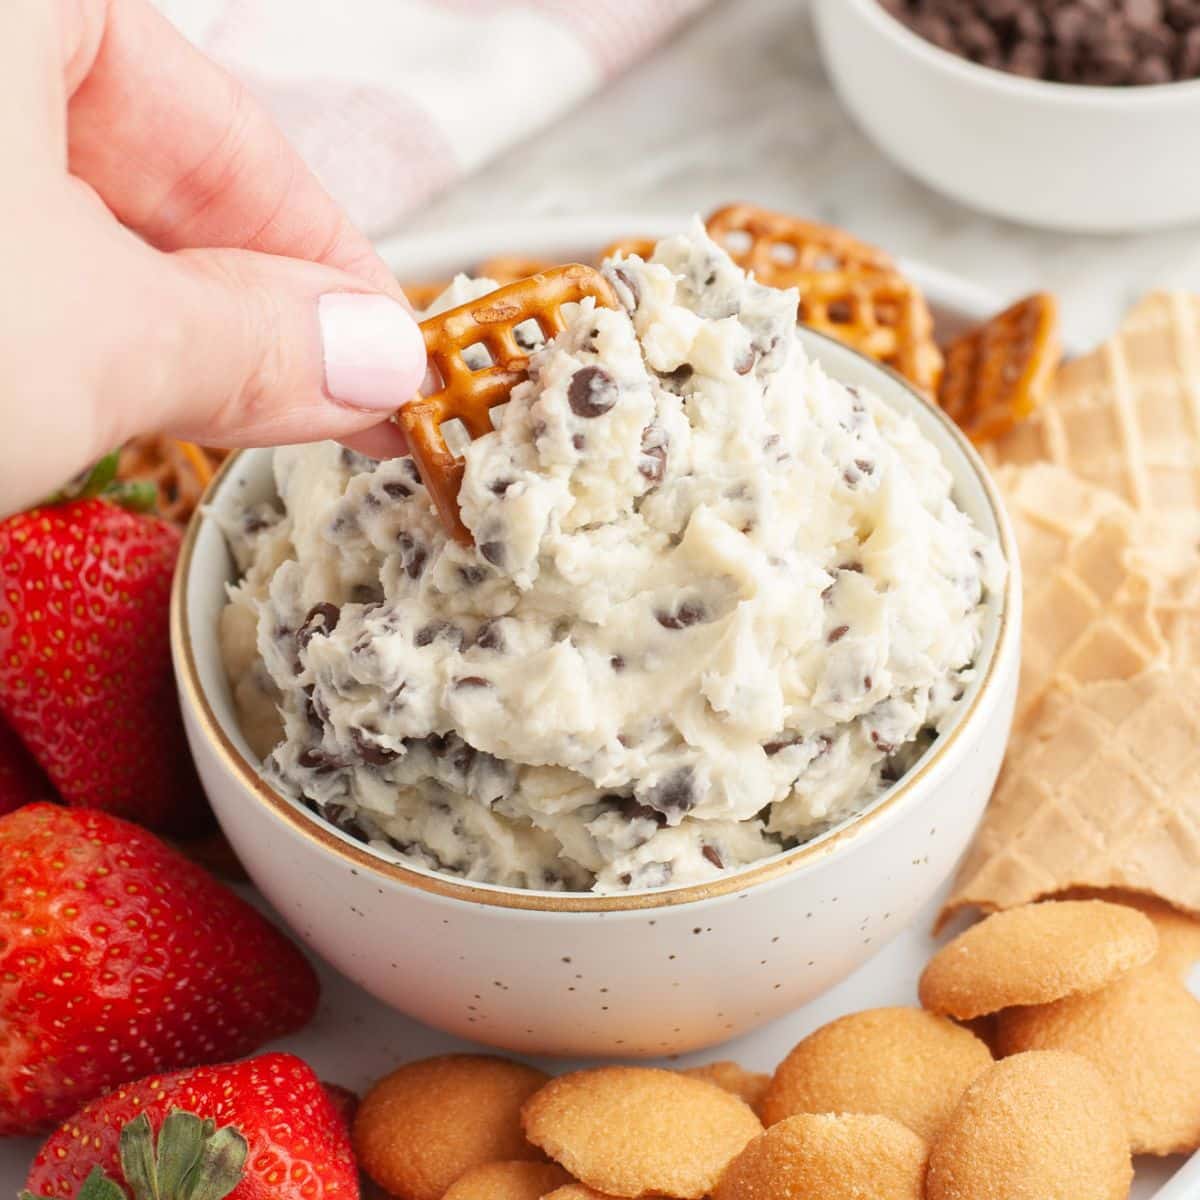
(739, 107)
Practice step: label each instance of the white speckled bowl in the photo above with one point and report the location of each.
(646, 973)
(1063, 156)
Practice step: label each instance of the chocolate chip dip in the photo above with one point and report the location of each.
(717, 602)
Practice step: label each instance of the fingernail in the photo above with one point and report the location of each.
(374, 351)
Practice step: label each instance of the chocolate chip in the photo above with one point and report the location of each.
(499, 486)
(714, 856)
(472, 575)
(770, 749)
(397, 490)
(444, 630)
(493, 552)
(372, 752)
(578, 441)
(489, 636)
(880, 744)
(473, 681)
(317, 760)
(632, 810)
(836, 635)
(592, 392)
(629, 292)
(321, 619)
(673, 795)
(674, 380)
(690, 612)
(617, 662)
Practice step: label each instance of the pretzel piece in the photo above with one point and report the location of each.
(643, 247)
(180, 471)
(508, 268)
(999, 372)
(848, 289)
(785, 251)
(469, 394)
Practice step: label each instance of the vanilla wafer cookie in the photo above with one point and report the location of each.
(1088, 607)
(1103, 791)
(1126, 416)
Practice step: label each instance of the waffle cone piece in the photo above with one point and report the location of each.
(1104, 792)
(1127, 416)
(1089, 613)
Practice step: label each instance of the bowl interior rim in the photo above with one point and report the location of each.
(1096, 96)
(766, 870)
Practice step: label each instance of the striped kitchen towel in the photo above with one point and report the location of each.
(390, 101)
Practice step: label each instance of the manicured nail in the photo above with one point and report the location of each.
(374, 352)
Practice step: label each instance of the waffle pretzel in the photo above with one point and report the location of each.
(469, 395)
(785, 251)
(999, 372)
(625, 247)
(180, 471)
(849, 289)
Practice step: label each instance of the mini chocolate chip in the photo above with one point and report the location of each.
(592, 392)
(770, 749)
(397, 490)
(714, 856)
(674, 795)
(625, 878)
(690, 612)
(372, 752)
(744, 363)
(631, 810)
(631, 285)
(617, 662)
(447, 630)
(499, 486)
(472, 575)
(836, 635)
(489, 636)
(855, 567)
(493, 552)
(867, 683)
(880, 744)
(317, 760)
(311, 712)
(472, 681)
(675, 379)
(865, 466)
(321, 619)
(578, 441)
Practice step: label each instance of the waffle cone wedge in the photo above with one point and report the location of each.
(1127, 416)
(1088, 606)
(1104, 791)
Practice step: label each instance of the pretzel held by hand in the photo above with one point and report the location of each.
(468, 393)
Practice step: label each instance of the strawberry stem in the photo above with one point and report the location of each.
(192, 1160)
(97, 1186)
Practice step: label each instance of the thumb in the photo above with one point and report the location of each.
(274, 350)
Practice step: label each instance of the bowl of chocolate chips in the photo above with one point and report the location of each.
(1067, 114)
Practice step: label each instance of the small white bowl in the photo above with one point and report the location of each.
(1064, 156)
(640, 974)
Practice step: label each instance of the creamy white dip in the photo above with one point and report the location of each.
(717, 602)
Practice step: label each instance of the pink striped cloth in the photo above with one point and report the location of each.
(391, 101)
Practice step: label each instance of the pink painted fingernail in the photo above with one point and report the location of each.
(374, 352)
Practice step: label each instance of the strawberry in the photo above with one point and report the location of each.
(119, 957)
(85, 660)
(262, 1129)
(22, 781)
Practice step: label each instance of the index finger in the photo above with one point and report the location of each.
(182, 153)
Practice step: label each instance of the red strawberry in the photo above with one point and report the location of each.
(119, 957)
(85, 661)
(273, 1135)
(22, 781)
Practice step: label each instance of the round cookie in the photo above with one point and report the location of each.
(902, 1063)
(733, 1077)
(1037, 1125)
(421, 1127)
(508, 1181)
(637, 1130)
(1178, 933)
(1035, 954)
(1143, 1033)
(834, 1157)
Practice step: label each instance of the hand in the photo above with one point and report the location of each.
(168, 262)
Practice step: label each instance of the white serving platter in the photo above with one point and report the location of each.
(354, 1038)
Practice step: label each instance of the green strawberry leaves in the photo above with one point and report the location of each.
(192, 1160)
(137, 495)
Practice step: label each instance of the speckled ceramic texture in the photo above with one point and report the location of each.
(646, 973)
(1063, 156)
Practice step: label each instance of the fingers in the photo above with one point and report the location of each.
(271, 350)
(183, 154)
